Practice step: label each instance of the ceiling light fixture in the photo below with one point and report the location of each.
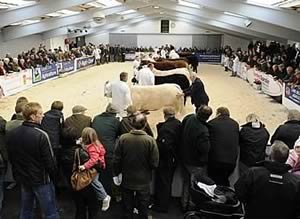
(188, 4)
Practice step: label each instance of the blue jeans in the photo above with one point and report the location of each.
(45, 195)
(99, 189)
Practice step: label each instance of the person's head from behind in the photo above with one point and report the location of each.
(20, 107)
(22, 99)
(203, 113)
(293, 115)
(223, 112)
(297, 146)
(279, 152)
(253, 119)
(124, 76)
(169, 112)
(57, 105)
(150, 66)
(89, 136)
(33, 112)
(139, 121)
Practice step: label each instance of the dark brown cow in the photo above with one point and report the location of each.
(167, 64)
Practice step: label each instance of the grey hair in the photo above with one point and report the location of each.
(293, 115)
(279, 152)
(252, 117)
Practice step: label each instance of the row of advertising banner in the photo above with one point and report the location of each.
(267, 84)
(19, 81)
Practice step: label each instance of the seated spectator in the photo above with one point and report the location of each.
(289, 74)
(274, 71)
(14, 65)
(294, 158)
(269, 190)
(295, 79)
(281, 72)
(78, 120)
(126, 123)
(7, 66)
(22, 64)
(2, 69)
(289, 131)
(224, 146)
(253, 140)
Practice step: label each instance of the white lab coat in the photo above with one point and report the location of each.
(163, 53)
(136, 64)
(121, 96)
(173, 55)
(97, 53)
(145, 77)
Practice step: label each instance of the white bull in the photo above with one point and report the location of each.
(153, 97)
(157, 96)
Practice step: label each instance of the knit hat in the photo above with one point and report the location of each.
(78, 109)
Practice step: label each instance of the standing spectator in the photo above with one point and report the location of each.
(86, 202)
(194, 147)
(97, 54)
(269, 190)
(145, 75)
(253, 140)
(168, 139)
(135, 157)
(197, 92)
(19, 100)
(11, 125)
(33, 163)
(224, 146)
(78, 120)
(294, 158)
(3, 160)
(107, 127)
(126, 122)
(121, 97)
(289, 131)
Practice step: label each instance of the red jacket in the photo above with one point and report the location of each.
(96, 153)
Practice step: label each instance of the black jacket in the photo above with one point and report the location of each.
(126, 126)
(3, 152)
(198, 94)
(269, 191)
(31, 155)
(224, 140)
(195, 141)
(288, 133)
(52, 123)
(168, 139)
(253, 142)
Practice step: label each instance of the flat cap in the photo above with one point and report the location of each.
(78, 109)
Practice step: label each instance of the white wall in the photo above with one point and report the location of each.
(153, 26)
(162, 39)
(102, 38)
(56, 42)
(235, 42)
(14, 47)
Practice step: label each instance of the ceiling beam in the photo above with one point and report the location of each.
(36, 10)
(256, 26)
(281, 17)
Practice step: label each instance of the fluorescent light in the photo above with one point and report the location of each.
(127, 12)
(95, 4)
(233, 14)
(264, 2)
(189, 4)
(63, 13)
(5, 4)
(156, 7)
(25, 22)
(109, 3)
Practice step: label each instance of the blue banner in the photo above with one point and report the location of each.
(44, 73)
(66, 66)
(292, 93)
(209, 58)
(84, 62)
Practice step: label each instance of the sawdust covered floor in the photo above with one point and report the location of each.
(87, 88)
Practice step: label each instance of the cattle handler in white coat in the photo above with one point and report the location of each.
(145, 76)
(121, 96)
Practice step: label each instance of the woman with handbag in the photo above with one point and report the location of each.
(96, 151)
(87, 206)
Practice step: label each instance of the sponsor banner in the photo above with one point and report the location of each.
(130, 56)
(66, 67)
(15, 82)
(84, 62)
(44, 73)
(270, 86)
(292, 93)
(209, 58)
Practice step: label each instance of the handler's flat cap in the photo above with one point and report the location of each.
(78, 109)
